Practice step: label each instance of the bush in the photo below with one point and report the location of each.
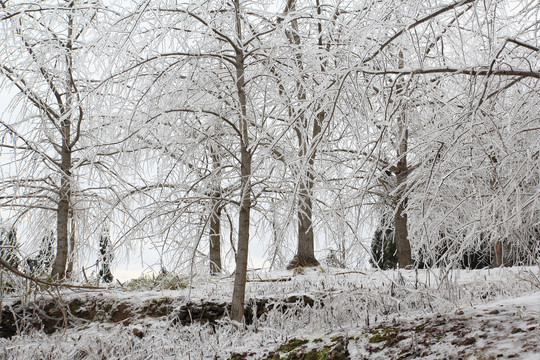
(163, 281)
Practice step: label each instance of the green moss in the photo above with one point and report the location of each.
(161, 312)
(276, 357)
(76, 305)
(237, 357)
(313, 354)
(377, 338)
(291, 345)
(310, 355)
(101, 316)
(108, 307)
(323, 353)
(337, 350)
(383, 334)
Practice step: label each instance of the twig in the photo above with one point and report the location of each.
(10, 268)
(270, 280)
(350, 272)
(84, 273)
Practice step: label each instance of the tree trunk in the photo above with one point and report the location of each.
(305, 254)
(62, 217)
(239, 289)
(64, 201)
(215, 216)
(401, 235)
(498, 259)
(71, 254)
(215, 236)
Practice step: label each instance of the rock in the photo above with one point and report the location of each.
(138, 333)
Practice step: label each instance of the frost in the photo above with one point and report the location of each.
(374, 313)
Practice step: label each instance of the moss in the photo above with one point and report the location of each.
(76, 305)
(237, 357)
(380, 335)
(323, 353)
(377, 338)
(313, 354)
(161, 311)
(108, 307)
(101, 316)
(275, 356)
(310, 355)
(291, 345)
(337, 350)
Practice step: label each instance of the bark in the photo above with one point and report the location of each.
(64, 201)
(215, 236)
(403, 246)
(239, 289)
(305, 254)
(71, 254)
(498, 259)
(215, 216)
(402, 235)
(62, 220)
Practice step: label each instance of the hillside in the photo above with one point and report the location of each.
(319, 313)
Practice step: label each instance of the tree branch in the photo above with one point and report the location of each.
(11, 269)
(473, 71)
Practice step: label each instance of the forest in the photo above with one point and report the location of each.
(358, 136)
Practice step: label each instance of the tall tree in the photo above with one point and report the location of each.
(217, 115)
(46, 52)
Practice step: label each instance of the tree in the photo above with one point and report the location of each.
(426, 87)
(38, 60)
(216, 73)
(50, 56)
(305, 254)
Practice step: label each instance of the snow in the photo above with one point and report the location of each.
(499, 308)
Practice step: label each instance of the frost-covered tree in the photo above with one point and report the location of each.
(432, 92)
(204, 95)
(49, 57)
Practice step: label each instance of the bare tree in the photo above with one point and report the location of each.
(45, 55)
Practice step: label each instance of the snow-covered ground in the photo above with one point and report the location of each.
(424, 314)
